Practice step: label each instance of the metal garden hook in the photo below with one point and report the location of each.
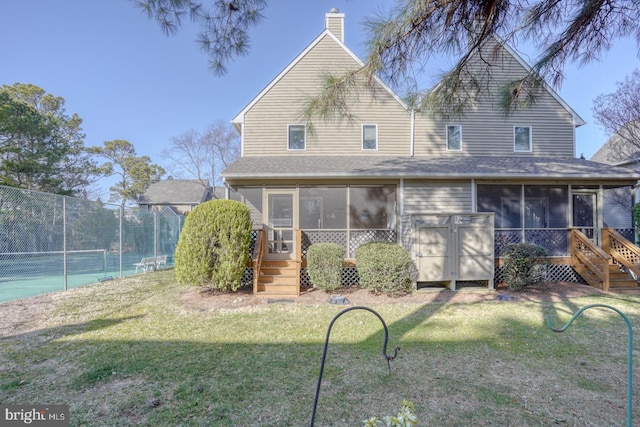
(629, 351)
(326, 344)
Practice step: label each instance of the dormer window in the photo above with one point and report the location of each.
(296, 137)
(369, 137)
(522, 139)
(454, 138)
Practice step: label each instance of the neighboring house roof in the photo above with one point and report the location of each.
(239, 118)
(175, 192)
(617, 151)
(337, 167)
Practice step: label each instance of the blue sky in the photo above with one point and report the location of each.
(127, 80)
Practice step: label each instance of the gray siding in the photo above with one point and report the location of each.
(265, 129)
(437, 197)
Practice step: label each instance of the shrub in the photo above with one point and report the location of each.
(524, 265)
(385, 268)
(214, 245)
(324, 265)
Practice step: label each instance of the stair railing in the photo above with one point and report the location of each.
(298, 255)
(585, 252)
(621, 250)
(258, 255)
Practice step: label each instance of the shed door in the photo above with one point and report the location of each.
(433, 254)
(475, 247)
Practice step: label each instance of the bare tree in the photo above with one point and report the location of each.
(619, 114)
(203, 156)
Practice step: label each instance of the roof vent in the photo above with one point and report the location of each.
(334, 10)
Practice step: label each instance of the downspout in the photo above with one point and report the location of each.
(226, 188)
(401, 197)
(412, 136)
(242, 138)
(474, 196)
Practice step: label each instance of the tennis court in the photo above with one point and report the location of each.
(24, 275)
(51, 242)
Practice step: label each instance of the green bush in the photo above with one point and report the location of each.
(524, 265)
(324, 265)
(214, 245)
(385, 268)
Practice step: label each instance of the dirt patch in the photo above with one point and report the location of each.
(244, 299)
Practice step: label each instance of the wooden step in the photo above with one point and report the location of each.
(278, 278)
(620, 279)
(270, 290)
(617, 279)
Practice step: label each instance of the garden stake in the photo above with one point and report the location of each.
(629, 351)
(326, 344)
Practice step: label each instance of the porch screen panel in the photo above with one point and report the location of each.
(323, 208)
(504, 200)
(371, 207)
(618, 203)
(545, 206)
(252, 198)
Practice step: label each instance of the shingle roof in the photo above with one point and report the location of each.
(175, 192)
(327, 167)
(617, 151)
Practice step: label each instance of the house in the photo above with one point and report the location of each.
(179, 195)
(620, 151)
(452, 192)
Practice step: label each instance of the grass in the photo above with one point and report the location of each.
(129, 353)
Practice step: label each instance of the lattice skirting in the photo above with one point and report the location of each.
(555, 273)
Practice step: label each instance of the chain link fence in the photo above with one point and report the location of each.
(50, 243)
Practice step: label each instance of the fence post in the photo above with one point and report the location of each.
(64, 241)
(155, 233)
(120, 239)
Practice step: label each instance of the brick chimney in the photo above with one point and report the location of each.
(334, 22)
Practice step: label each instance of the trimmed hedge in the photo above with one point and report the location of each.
(385, 268)
(214, 245)
(524, 265)
(324, 265)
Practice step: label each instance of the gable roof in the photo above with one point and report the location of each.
(618, 150)
(371, 167)
(175, 192)
(239, 118)
(577, 120)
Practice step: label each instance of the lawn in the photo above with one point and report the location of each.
(129, 352)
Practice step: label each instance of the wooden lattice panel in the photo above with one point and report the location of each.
(502, 238)
(309, 237)
(360, 237)
(555, 273)
(556, 242)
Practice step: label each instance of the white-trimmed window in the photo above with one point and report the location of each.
(454, 138)
(369, 137)
(296, 137)
(522, 139)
